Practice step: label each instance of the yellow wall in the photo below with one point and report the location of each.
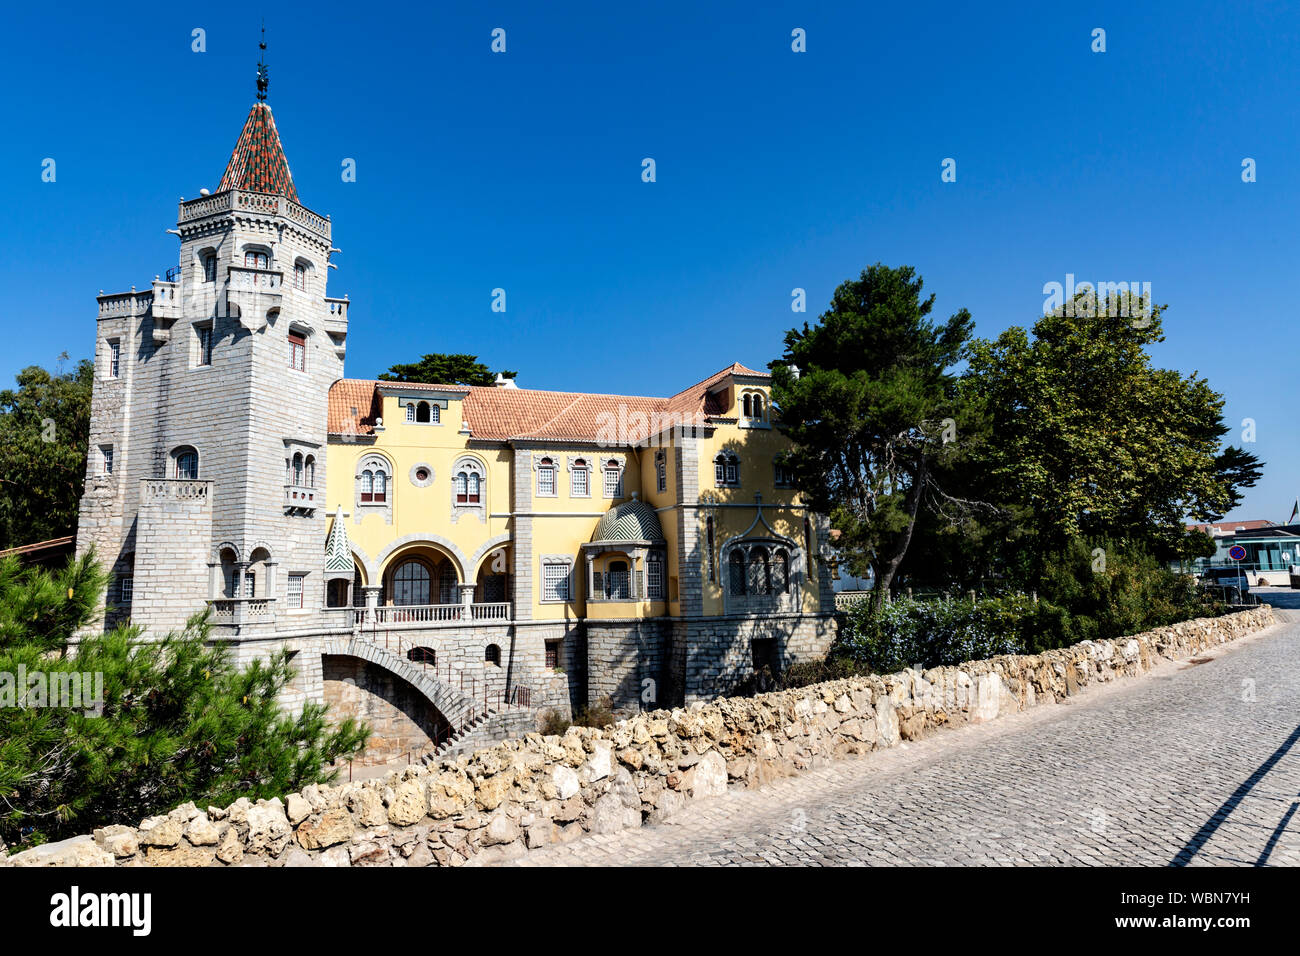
(560, 524)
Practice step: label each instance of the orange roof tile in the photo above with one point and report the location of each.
(502, 414)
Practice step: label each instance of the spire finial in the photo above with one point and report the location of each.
(262, 81)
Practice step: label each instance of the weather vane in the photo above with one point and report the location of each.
(262, 81)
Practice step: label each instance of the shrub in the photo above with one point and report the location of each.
(554, 723)
(599, 714)
(932, 633)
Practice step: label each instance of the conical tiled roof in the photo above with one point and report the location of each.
(338, 552)
(258, 162)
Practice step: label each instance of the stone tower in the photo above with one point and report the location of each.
(206, 473)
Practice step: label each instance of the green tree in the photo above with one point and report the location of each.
(44, 429)
(874, 415)
(440, 369)
(177, 719)
(1090, 441)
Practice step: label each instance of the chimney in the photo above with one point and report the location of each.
(503, 382)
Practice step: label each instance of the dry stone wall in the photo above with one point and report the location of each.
(521, 794)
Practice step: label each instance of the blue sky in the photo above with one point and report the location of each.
(775, 170)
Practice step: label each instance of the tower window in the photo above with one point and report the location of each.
(114, 357)
(209, 268)
(204, 333)
(300, 277)
(186, 464)
(256, 260)
(297, 352)
(661, 471)
(106, 458)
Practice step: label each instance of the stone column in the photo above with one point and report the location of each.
(637, 584)
(371, 593)
(466, 594)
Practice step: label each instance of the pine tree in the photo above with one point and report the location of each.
(177, 720)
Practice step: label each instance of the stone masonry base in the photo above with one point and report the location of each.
(499, 803)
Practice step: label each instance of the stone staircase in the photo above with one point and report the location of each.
(484, 731)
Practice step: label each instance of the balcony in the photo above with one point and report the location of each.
(236, 612)
(423, 615)
(301, 498)
(252, 293)
(242, 200)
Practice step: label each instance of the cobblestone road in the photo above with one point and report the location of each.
(1194, 764)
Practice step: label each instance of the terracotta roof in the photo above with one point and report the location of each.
(353, 407)
(53, 544)
(258, 163)
(501, 414)
(1228, 527)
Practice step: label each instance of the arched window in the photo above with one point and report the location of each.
(435, 413)
(411, 583)
(336, 593)
(613, 479)
(186, 463)
(467, 482)
(410, 411)
(209, 268)
(297, 469)
(726, 470)
(757, 408)
(661, 471)
(422, 412)
(372, 480)
(780, 571)
(546, 478)
(736, 568)
(580, 484)
(492, 654)
(300, 276)
(256, 259)
(745, 402)
(309, 471)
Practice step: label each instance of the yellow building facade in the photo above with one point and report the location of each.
(647, 549)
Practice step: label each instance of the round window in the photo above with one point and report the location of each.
(421, 474)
